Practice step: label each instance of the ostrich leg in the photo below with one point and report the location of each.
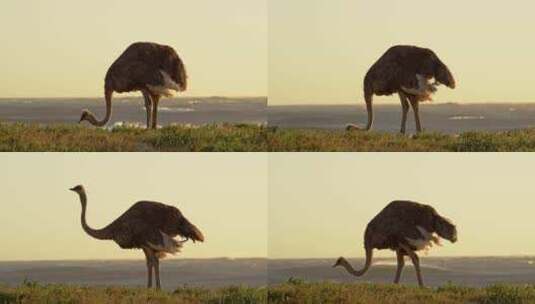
(414, 103)
(148, 103)
(157, 271)
(401, 263)
(148, 258)
(415, 262)
(404, 110)
(155, 100)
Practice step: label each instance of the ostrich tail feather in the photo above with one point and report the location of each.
(169, 245)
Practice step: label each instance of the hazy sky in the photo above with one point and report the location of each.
(225, 195)
(63, 48)
(320, 203)
(319, 51)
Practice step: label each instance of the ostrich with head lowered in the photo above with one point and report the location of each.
(404, 227)
(405, 70)
(154, 69)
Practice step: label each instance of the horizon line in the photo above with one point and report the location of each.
(133, 96)
(129, 259)
(268, 259)
(383, 103)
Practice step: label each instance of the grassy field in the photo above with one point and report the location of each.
(32, 293)
(295, 291)
(243, 137)
(75, 138)
(339, 140)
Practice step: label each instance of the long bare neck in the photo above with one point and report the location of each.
(99, 123)
(100, 234)
(344, 263)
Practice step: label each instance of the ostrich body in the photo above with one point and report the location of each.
(404, 227)
(405, 70)
(154, 69)
(149, 226)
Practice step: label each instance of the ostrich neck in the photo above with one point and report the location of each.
(100, 234)
(367, 265)
(349, 268)
(93, 120)
(99, 123)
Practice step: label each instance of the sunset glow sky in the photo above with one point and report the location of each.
(224, 195)
(62, 48)
(319, 51)
(320, 203)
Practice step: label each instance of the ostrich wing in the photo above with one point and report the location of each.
(389, 76)
(400, 219)
(142, 64)
(134, 75)
(145, 221)
(398, 68)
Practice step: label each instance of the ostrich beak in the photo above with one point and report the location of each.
(72, 189)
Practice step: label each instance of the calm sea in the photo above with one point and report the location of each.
(448, 118)
(173, 272)
(195, 111)
(468, 271)
(473, 271)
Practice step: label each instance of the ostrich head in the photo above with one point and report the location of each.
(85, 116)
(78, 189)
(339, 262)
(445, 229)
(81, 192)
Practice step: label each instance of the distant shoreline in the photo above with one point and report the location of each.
(270, 259)
(390, 103)
(131, 260)
(137, 97)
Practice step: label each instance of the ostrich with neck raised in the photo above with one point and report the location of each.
(153, 69)
(149, 226)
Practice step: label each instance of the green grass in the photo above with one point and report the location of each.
(339, 140)
(296, 291)
(33, 293)
(75, 138)
(243, 137)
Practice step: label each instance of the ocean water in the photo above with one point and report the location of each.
(131, 110)
(449, 118)
(467, 271)
(173, 272)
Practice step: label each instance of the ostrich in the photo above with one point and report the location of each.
(155, 70)
(149, 226)
(406, 70)
(405, 227)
